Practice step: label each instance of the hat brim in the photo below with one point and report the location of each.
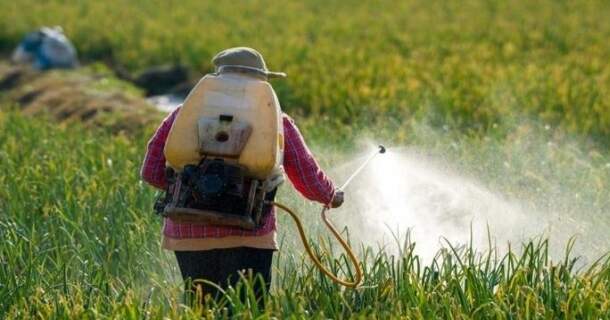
(272, 74)
(247, 69)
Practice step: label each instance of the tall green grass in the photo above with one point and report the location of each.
(78, 240)
(492, 87)
(467, 65)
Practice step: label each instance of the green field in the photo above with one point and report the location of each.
(509, 99)
(79, 241)
(467, 65)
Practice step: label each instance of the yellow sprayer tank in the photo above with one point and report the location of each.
(232, 116)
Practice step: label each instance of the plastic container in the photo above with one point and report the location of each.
(245, 100)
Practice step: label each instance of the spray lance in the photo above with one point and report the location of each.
(358, 276)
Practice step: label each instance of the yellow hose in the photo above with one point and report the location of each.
(358, 278)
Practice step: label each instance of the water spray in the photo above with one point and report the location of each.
(358, 276)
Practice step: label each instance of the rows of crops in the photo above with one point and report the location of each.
(79, 241)
(513, 93)
(469, 65)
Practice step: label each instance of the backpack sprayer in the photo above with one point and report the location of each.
(356, 263)
(224, 154)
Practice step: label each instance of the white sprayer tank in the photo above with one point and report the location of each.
(250, 104)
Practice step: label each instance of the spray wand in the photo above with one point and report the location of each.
(358, 277)
(362, 166)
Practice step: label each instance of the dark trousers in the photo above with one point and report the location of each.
(222, 267)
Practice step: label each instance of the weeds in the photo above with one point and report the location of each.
(79, 241)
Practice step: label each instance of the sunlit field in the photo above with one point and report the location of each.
(491, 203)
(80, 240)
(464, 65)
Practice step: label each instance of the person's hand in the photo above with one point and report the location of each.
(337, 200)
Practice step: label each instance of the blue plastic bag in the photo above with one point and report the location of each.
(46, 48)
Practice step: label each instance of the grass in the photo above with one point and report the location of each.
(513, 93)
(468, 66)
(79, 241)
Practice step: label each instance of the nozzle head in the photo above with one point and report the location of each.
(381, 149)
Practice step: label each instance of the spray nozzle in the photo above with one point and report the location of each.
(381, 149)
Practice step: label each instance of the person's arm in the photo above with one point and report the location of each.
(153, 167)
(303, 170)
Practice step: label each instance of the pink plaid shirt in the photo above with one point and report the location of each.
(299, 164)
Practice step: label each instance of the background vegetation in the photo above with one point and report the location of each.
(467, 65)
(513, 93)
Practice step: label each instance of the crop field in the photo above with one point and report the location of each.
(494, 193)
(79, 240)
(350, 63)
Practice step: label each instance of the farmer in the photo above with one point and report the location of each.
(46, 48)
(219, 253)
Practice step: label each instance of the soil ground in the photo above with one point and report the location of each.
(91, 95)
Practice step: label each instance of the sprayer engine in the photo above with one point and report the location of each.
(215, 192)
(213, 180)
(215, 185)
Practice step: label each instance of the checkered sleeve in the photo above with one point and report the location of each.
(302, 168)
(153, 167)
